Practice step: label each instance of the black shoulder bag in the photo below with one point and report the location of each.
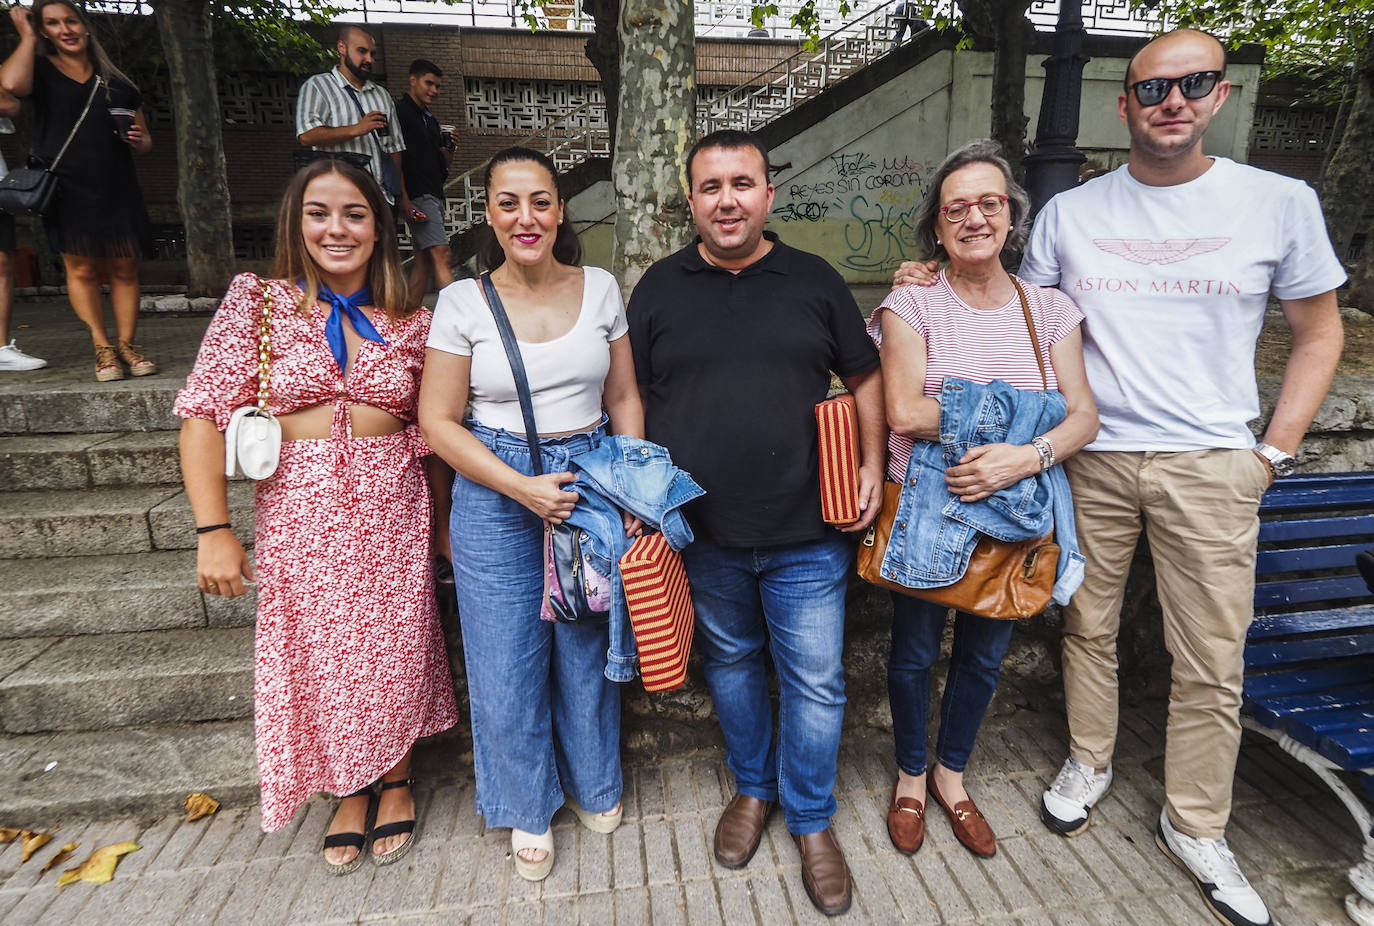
(30, 190)
(574, 591)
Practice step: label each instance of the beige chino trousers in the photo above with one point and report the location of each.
(1199, 509)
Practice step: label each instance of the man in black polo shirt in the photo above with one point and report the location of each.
(424, 164)
(734, 340)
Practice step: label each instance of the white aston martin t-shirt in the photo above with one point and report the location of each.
(1173, 282)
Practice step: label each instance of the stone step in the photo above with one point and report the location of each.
(31, 462)
(116, 680)
(143, 404)
(124, 593)
(95, 522)
(56, 779)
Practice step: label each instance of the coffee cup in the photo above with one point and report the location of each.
(123, 120)
(448, 134)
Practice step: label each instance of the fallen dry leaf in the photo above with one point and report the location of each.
(199, 805)
(62, 855)
(32, 843)
(9, 833)
(99, 868)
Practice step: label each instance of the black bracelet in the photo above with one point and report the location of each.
(211, 527)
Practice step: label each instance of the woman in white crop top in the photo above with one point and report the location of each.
(545, 720)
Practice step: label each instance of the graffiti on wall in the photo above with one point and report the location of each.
(876, 199)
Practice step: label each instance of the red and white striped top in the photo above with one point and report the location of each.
(979, 345)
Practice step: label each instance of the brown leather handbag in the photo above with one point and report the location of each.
(1004, 580)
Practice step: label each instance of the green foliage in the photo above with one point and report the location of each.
(272, 34)
(1315, 41)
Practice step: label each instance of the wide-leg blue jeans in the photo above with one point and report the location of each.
(974, 668)
(790, 598)
(545, 720)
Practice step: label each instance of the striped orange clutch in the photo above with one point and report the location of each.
(837, 426)
(660, 602)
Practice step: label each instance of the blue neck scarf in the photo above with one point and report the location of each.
(333, 328)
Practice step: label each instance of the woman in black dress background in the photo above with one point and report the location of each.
(97, 222)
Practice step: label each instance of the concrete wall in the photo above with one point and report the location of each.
(857, 176)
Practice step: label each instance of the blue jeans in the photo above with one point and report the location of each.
(974, 667)
(545, 720)
(790, 598)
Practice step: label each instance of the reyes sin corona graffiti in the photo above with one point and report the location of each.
(874, 197)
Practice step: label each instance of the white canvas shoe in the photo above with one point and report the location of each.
(1214, 870)
(1067, 802)
(13, 359)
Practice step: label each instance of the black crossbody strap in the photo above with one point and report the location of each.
(353, 95)
(77, 124)
(517, 369)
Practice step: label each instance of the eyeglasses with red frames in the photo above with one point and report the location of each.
(957, 211)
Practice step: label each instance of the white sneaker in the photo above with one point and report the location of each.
(14, 359)
(1214, 870)
(1066, 804)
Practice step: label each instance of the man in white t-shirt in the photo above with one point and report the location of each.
(1172, 258)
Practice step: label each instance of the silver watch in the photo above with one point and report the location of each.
(1281, 463)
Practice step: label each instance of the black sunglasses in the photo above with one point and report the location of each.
(1154, 90)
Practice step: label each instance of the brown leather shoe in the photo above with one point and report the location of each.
(824, 872)
(969, 825)
(740, 830)
(906, 822)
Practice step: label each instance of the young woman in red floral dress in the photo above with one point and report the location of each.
(350, 663)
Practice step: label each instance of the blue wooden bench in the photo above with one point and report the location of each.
(1309, 656)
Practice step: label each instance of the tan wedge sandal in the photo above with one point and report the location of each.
(107, 368)
(138, 364)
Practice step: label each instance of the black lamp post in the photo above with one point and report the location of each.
(1052, 166)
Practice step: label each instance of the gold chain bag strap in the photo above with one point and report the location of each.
(252, 442)
(1005, 580)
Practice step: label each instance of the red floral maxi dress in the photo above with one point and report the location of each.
(350, 666)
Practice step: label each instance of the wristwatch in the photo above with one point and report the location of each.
(1281, 463)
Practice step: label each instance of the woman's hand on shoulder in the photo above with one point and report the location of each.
(222, 565)
(988, 468)
(546, 497)
(914, 271)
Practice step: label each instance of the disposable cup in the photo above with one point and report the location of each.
(123, 120)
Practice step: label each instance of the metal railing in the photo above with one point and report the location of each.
(792, 81)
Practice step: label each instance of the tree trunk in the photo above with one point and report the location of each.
(202, 180)
(657, 122)
(1003, 24)
(603, 51)
(1362, 279)
(1348, 186)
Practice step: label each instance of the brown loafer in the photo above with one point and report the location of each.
(824, 872)
(969, 825)
(740, 830)
(906, 823)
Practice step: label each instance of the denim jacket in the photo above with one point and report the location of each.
(627, 474)
(934, 533)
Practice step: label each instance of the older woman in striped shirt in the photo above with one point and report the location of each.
(968, 324)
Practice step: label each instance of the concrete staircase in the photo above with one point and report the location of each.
(122, 688)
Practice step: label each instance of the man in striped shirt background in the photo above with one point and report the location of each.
(342, 110)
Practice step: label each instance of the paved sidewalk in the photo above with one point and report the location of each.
(1291, 836)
